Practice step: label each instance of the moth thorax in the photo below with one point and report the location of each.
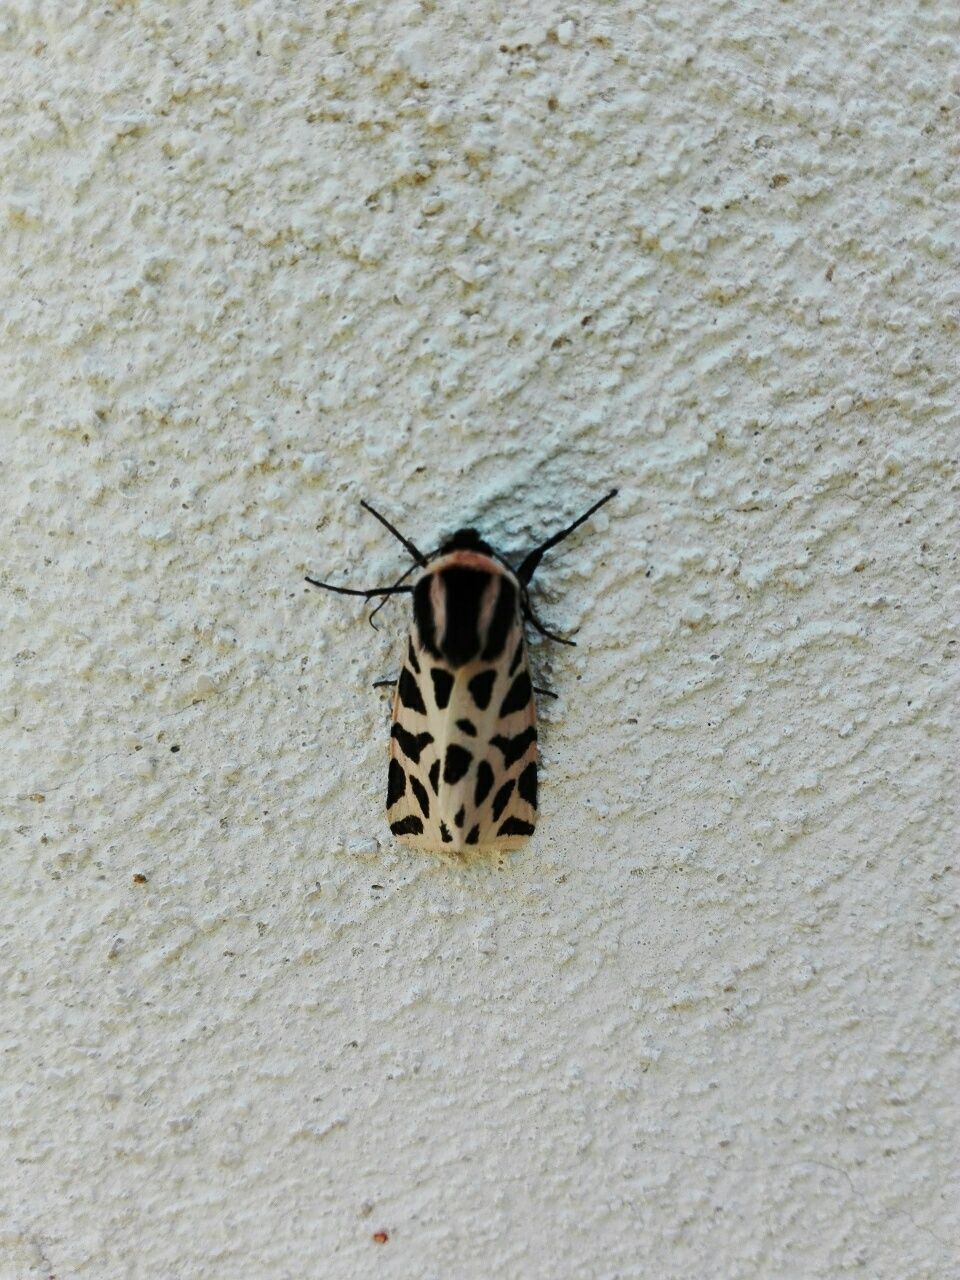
(464, 613)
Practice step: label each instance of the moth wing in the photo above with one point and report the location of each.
(413, 764)
(485, 739)
(463, 752)
(508, 815)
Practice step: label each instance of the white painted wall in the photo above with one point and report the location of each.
(480, 261)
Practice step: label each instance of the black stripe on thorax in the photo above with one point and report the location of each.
(461, 640)
(504, 613)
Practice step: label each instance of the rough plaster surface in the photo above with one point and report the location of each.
(478, 261)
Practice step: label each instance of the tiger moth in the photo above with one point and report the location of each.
(463, 740)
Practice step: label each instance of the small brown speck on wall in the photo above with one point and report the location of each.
(380, 1237)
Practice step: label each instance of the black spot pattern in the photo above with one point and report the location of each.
(396, 783)
(481, 687)
(473, 837)
(484, 783)
(420, 791)
(460, 816)
(501, 798)
(515, 827)
(409, 826)
(517, 655)
(410, 694)
(445, 835)
(456, 763)
(442, 686)
(411, 744)
(513, 748)
(467, 727)
(412, 657)
(504, 613)
(527, 784)
(518, 695)
(434, 776)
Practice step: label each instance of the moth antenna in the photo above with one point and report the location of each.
(359, 591)
(420, 558)
(529, 566)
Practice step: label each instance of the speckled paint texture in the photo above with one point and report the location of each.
(479, 262)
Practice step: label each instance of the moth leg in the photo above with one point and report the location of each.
(386, 598)
(546, 693)
(396, 589)
(385, 684)
(535, 622)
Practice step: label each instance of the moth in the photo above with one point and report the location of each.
(463, 741)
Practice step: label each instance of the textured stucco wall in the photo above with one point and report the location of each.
(480, 260)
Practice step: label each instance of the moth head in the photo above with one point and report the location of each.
(465, 540)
